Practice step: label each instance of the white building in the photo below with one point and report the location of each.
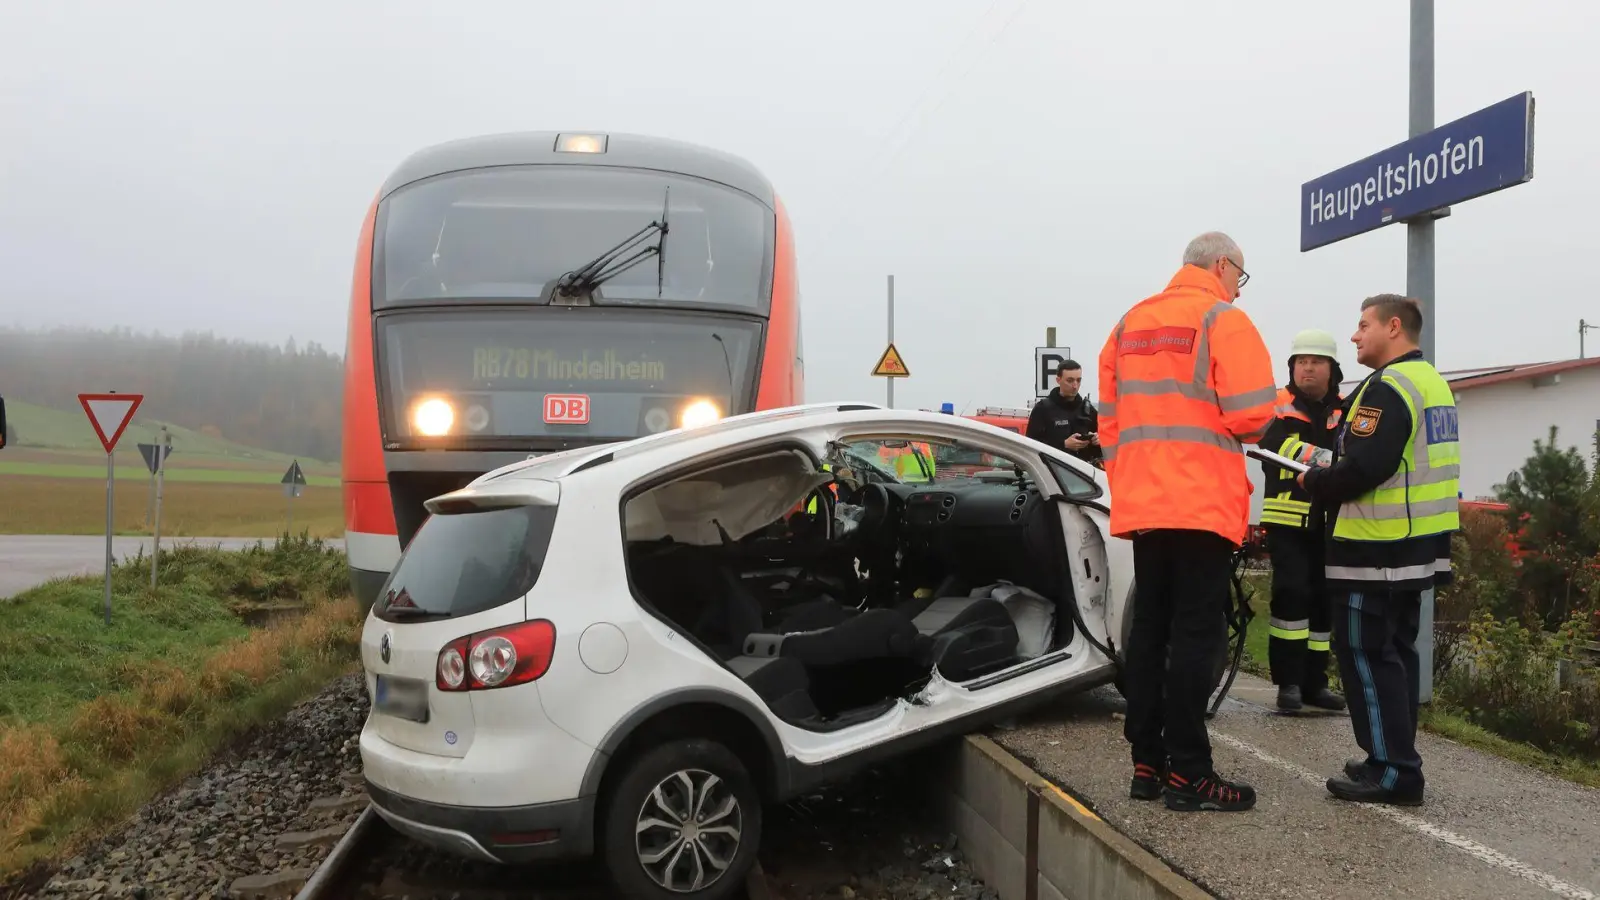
(1502, 410)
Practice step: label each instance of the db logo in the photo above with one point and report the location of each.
(566, 409)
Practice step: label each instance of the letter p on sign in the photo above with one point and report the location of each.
(566, 409)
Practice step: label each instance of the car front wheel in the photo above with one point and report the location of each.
(684, 821)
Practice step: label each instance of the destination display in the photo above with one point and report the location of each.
(602, 373)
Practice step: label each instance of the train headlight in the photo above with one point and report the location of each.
(698, 413)
(477, 418)
(580, 143)
(433, 417)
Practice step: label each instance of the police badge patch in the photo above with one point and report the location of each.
(1364, 421)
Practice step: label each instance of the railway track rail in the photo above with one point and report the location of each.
(358, 868)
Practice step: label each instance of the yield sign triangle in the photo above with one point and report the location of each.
(891, 364)
(110, 415)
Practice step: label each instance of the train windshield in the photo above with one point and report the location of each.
(508, 233)
(564, 375)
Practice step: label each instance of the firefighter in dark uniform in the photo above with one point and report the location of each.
(1065, 419)
(1298, 630)
(1394, 486)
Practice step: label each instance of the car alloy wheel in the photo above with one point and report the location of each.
(687, 831)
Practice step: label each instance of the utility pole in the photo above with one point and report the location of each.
(890, 381)
(1419, 274)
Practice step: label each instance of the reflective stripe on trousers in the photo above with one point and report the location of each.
(1289, 629)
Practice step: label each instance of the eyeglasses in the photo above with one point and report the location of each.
(1244, 277)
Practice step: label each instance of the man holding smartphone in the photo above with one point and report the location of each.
(1065, 418)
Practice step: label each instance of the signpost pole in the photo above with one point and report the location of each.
(111, 477)
(890, 381)
(163, 446)
(1419, 276)
(109, 415)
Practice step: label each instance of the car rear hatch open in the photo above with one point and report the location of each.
(467, 571)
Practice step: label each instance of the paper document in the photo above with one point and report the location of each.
(1275, 459)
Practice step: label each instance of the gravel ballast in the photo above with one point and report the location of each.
(260, 820)
(254, 823)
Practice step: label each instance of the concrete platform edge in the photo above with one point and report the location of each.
(982, 792)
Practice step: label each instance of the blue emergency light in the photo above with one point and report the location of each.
(948, 409)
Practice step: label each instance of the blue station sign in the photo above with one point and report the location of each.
(1479, 153)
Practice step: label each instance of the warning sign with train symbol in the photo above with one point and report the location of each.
(891, 365)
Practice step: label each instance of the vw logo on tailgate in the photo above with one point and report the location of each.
(383, 645)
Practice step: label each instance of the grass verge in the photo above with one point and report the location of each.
(102, 719)
(1438, 717)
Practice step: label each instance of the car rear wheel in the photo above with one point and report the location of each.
(684, 821)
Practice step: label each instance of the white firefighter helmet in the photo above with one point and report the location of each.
(1314, 342)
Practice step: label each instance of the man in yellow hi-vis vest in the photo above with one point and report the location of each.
(1298, 630)
(1395, 484)
(912, 462)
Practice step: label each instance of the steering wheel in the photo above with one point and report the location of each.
(875, 507)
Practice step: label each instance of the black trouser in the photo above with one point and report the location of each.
(1375, 640)
(1180, 631)
(1298, 630)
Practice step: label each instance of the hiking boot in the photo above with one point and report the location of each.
(1360, 790)
(1289, 697)
(1208, 792)
(1146, 783)
(1322, 698)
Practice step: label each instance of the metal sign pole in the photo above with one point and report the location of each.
(162, 447)
(1419, 276)
(111, 478)
(890, 381)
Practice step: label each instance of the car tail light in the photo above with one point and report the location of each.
(499, 657)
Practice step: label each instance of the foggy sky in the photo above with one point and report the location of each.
(1016, 165)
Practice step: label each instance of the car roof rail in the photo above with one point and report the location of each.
(731, 423)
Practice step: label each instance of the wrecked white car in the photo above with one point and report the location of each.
(627, 649)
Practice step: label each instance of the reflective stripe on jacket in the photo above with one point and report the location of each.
(1185, 380)
(1295, 435)
(1392, 534)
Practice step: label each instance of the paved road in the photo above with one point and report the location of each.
(1490, 828)
(27, 560)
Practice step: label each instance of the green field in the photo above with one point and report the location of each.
(52, 482)
(56, 429)
(54, 443)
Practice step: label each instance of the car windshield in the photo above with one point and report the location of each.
(920, 460)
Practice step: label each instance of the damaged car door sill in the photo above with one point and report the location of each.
(1034, 665)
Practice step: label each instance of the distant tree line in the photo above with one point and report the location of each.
(286, 398)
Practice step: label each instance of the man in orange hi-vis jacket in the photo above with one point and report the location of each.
(1185, 381)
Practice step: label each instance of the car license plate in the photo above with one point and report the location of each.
(566, 409)
(403, 698)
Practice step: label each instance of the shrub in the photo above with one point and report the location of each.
(1506, 682)
(1485, 581)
